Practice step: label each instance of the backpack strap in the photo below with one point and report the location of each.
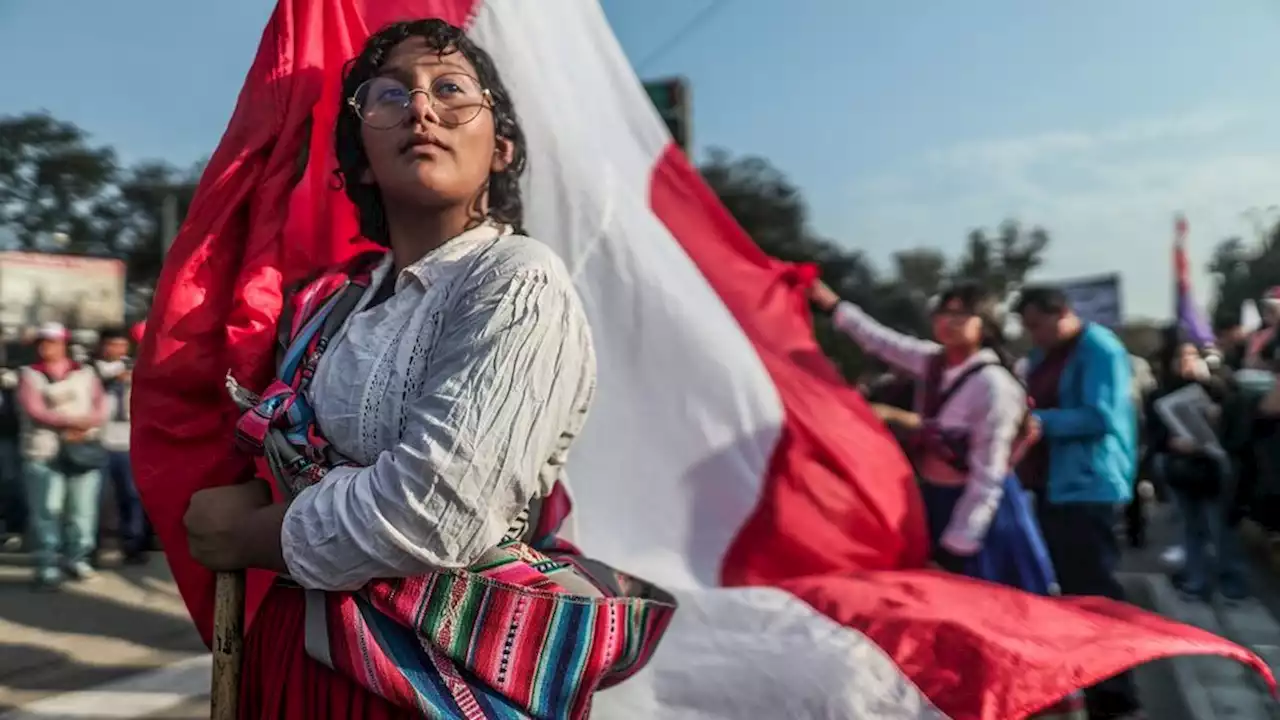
(927, 392)
(935, 398)
(313, 317)
(305, 297)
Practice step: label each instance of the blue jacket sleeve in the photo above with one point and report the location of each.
(1105, 388)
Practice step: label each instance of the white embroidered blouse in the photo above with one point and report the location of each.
(458, 397)
(990, 407)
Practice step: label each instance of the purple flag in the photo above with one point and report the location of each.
(1191, 322)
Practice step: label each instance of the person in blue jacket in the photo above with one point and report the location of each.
(1079, 378)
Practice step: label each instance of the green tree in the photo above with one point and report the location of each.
(1242, 272)
(773, 212)
(144, 191)
(1003, 262)
(53, 180)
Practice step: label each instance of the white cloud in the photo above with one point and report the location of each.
(1107, 197)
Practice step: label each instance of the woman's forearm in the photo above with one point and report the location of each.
(907, 353)
(897, 416)
(262, 547)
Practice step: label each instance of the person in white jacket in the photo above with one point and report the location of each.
(971, 424)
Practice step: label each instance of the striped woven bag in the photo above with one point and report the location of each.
(530, 630)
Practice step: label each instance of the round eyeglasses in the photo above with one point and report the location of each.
(383, 103)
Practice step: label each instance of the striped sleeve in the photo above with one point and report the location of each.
(907, 353)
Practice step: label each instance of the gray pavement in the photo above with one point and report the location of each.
(121, 623)
(125, 637)
(1205, 688)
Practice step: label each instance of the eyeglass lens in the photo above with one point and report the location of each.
(384, 102)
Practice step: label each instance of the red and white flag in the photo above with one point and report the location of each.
(724, 457)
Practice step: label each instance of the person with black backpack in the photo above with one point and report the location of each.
(973, 424)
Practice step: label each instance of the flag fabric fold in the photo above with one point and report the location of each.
(724, 459)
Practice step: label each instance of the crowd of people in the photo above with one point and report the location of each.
(1216, 486)
(1028, 466)
(64, 451)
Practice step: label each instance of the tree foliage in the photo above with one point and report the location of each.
(1002, 263)
(144, 189)
(53, 181)
(1243, 271)
(56, 183)
(773, 212)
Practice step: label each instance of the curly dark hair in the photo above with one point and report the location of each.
(505, 204)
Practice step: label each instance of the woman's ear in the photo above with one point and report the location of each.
(504, 152)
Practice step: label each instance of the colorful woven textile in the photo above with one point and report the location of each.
(531, 630)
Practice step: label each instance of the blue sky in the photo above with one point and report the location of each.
(905, 124)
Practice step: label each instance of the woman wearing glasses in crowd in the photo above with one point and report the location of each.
(969, 424)
(969, 428)
(445, 403)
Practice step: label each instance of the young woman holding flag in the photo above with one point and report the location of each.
(426, 401)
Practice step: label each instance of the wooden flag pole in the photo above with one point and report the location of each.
(228, 645)
(228, 607)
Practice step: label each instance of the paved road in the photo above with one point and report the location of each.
(122, 646)
(114, 627)
(1208, 688)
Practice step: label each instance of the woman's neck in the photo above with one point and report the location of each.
(958, 355)
(415, 233)
(57, 367)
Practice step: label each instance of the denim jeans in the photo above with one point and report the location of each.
(63, 514)
(133, 523)
(1205, 523)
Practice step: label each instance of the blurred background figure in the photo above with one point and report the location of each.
(115, 370)
(62, 408)
(1080, 377)
(1259, 344)
(1144, 383)
(1199, 479)
(13, 500)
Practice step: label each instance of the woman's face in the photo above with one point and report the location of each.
(51, 350)
(1189, 361)
(428, 160)
(954, 326)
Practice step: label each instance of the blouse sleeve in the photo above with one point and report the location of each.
(907, 353)
(505, 380)
(996, 423)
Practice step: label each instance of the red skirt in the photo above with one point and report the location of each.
(281, 682)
